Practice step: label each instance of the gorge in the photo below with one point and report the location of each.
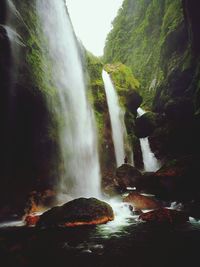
(74, 131)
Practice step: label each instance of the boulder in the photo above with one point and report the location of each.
(139, 201)
(148, 183)
(81, 211)
(127, 176)
(137, 155)
(160, 141)
(109, 184)
(146, 124)
(178, 179)
(133, 101)
(164, 215)
(31, 219)
(193, 208)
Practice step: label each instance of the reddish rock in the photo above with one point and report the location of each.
(164, 215)
(102, 220)
(142, 202)
(31, 219)
(177, 179)
(81, 211)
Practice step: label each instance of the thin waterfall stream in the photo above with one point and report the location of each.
(117, 120)
(151, 164)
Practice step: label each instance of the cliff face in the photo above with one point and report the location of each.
(98, 99)
(150, 36)
(127, 88)
(29, 134)
(160, 40)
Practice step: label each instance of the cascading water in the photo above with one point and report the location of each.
(15, 40)
(81, 172)
(151, 164)
(115, 117)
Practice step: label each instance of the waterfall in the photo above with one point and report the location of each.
(78, 142)
(116, 117)
(140, 112)
(151, 164)
(14, 40)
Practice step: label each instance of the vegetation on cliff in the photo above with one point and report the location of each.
(30, 138)
(153, 50)
(127, 87)
(159, 41)
(145, 34)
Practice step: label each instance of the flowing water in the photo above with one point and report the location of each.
(151, 164)
(135, 243)
(15, 42)
(81, 172)
(116, 118)
(121, 242)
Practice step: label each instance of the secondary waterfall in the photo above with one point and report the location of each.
(151, 164)
(118, 128)
(81, 171)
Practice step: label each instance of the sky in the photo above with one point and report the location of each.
(92, 20)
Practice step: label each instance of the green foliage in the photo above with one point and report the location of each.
(96, 86)
(122, 77)
(96, 92)
(94, 67)
(123, 80)
(38, 62)
(146, 37)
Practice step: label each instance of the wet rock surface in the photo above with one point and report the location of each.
(127, 176)
(141, 201)
(164, 215)
(81, 211)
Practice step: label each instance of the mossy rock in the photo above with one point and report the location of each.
(122, 77)
(81, 211)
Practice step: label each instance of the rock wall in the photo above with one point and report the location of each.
(146, 35)
(159, 40)
(29, 135)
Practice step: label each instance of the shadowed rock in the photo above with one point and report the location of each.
(81, 211)
(142, 202)
(164, 215)
(127, 176)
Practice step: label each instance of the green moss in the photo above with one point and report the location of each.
(122, 77)
(146, 37)
(96, 92)
(38, 61)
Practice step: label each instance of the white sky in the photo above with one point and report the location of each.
(91, 20)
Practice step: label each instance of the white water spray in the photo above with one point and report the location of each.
(115, 117)
(81, 172)
(123, 218)
(151, 164)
